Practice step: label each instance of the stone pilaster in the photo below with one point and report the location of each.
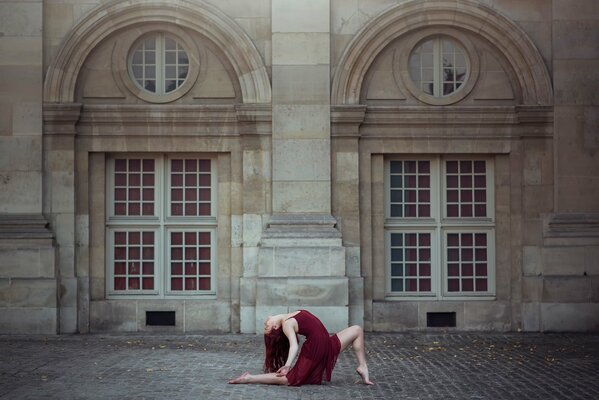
(301, 260)
(59, 207)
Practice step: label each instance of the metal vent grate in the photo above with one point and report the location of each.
(440, 319)
(160, 318)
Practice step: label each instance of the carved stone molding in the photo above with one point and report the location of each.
(507, 37)
(24, 226)
(112, 16)
(346, 120)
(60, 119)
(571, 229)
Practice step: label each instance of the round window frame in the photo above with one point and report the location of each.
(462, 42)
(124, 52)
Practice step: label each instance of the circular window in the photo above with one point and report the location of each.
(436, 68)
(159, 64)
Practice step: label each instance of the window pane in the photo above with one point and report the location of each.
(413, 175)
(192, 199)
(127, 253)
(410, 266)
(466, 261)
(195, 250)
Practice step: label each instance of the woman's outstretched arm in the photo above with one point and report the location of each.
(289, 331)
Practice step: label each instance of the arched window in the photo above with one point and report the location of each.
(438, 66)
(158, 64)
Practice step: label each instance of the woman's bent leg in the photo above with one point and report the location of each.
(354, 335)
(267, 379)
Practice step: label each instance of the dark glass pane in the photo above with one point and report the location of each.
(396, 239)
(425, 285)
(466, 239)
(396, 210)
(467, 269)
(396, 196)
(397, 285)
(396, 270)
(453, 239)
(396, 255)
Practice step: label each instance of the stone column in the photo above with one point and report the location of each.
(27, 266)
(301, 258)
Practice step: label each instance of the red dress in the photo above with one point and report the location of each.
(319, 352)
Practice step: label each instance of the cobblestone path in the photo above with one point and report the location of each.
(404, 366)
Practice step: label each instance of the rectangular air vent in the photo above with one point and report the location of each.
(440, 319)
(160, 318)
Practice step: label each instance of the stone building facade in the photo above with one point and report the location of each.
(397, 164)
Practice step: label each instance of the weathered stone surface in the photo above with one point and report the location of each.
(113, 316)
(573, 317)
(567, 289)
(563, 261)
(29, 320)
(315, 48)
(487, 316)
(531, 317)
(394, 316)
(307, 16)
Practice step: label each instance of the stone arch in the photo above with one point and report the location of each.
(478, 19)
(196, 15)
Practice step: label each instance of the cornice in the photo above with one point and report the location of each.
(61, 118)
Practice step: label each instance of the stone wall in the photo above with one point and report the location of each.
(301, 190)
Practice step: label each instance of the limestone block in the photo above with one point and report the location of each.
(4, 292)
(248, 319)
(317, 291)
(259, 31)
(563, 261)
(531, 317)
(305, 84)
(20, 192)
(541, 33)
(532, 233)
(271, 291)
(532, 261)
(538, 199)
(457, 307)
(113, 316)
(5, 118)
(532, 288)
(352, 261)
(300, 121)
(24, 85)
(347, 167)
(300, 16)
(338, 45)
(591, 260)
(68, 320)
(236, 230)
(590, 129)
(595, 289)
(315, 48)
(63, 192)
(250, 261)
(576, 39)
(20, 50)
(252, 229)
(530, 10)
(29, 320)
(83, 297)
(244, 8)
(256, 167)
(67, 291)
(394, 316)
(346, 17)
(572, 317)
(216, 82)
(27, 118)
(571, 80)
(382, 84)
(21, 18)
(247, 291)
(487, 316)
(97, 84)
(302, 261)
(575, 9)
(27, 263)
(64, 228)
(97, 288)
(58, 19)
(60, 160)
(567, 289)
(577, 194)
(177, 306)
(301, 159)
(301, 197)
(494, 85)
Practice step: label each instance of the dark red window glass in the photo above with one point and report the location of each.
(133, 260)
(133, 191)
(194, 249)
(411, 262)
(190, 191)
(467, 262)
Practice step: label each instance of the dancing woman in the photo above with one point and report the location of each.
(317, 357)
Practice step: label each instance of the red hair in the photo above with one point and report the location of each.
(276, 350)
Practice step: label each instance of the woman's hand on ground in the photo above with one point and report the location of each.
(283, 370)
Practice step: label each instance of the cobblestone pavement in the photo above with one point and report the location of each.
(404, 366)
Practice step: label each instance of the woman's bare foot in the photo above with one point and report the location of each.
(363, 372)
(241, 378)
